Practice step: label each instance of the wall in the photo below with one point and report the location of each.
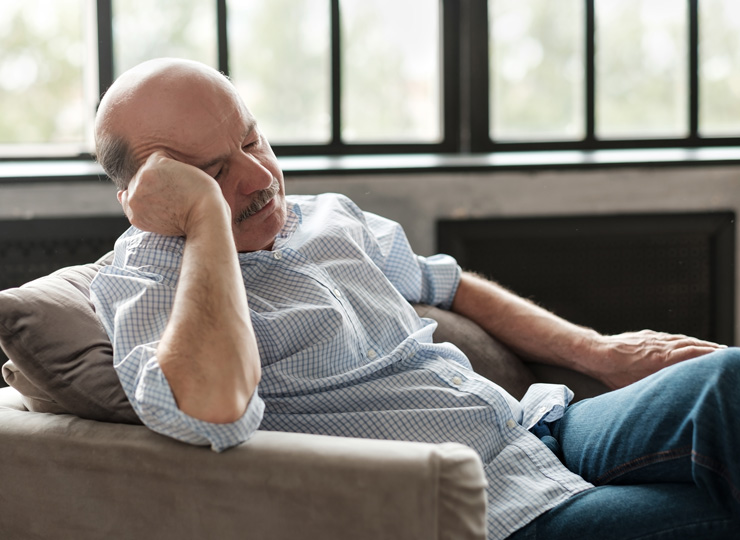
(417, 200)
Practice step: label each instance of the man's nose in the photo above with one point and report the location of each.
(251, 174)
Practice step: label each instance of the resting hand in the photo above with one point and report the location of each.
(169, 197)
(622, 359)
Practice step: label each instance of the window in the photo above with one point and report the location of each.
(175, 28)
(536, 69)
(719, 68)
(392, 76)
(641, 69)
(280, 60)
(47, 77)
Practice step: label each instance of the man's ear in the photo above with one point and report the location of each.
(119, 194)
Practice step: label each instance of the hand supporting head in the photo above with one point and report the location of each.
(191, 113)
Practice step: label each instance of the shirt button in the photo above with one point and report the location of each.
(510, 423)
(371, 354)
(457, 381)
(543, 410)
(337, 293)
(277, 255)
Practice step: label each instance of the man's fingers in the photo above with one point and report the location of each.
(689, 352)
(695, 341)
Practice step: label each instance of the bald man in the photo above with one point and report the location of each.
(232, 307)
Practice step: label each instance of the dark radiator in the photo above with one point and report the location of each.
(31, 248)
(672, 273)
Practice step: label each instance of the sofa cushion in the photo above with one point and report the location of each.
(61, 357)
(488, 356)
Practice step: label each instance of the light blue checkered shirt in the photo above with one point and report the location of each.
(342, 351)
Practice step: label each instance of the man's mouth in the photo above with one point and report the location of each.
(261, 199)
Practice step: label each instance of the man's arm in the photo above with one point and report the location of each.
(540, 335)
(208, 352)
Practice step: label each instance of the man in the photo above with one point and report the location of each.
(232, 307)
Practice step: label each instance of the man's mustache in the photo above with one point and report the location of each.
(258, 203)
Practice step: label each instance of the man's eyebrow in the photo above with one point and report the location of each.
(211, 162)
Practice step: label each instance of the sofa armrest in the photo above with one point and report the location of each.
(496, 362)
(95, 480)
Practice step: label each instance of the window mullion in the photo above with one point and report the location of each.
(457, 76)
(590, 75)
(105, 44)
(336, 76)
(693, 71)
(475, 19)
(223, 36)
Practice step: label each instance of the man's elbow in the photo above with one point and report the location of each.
(222, 400)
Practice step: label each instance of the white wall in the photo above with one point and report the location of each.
(417, 200)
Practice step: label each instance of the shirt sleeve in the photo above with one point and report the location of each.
(427, 280)
(133, 298)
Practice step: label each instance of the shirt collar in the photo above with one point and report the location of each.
(293, 218)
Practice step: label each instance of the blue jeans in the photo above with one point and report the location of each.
(664, 453)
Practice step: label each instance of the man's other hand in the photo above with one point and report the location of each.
(622, 359)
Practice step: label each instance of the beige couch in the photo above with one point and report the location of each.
(66, 477)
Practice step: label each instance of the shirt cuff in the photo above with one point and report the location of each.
(155, 405)
(440, 279)
(544, 402)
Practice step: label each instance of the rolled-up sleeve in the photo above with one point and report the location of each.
(427, 280)
(133, 298)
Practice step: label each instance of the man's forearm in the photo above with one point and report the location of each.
(208, 352)
(537, 334)
(528, 329)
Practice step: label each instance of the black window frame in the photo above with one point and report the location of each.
(464, 90)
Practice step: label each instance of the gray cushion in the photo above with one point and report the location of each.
(488, 357)
(61, 357)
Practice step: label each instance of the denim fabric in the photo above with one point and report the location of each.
(664, 452)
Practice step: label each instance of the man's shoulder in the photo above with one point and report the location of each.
(134, 238)
(141, 248)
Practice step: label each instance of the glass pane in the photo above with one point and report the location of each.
(536, 69)
(719, 67)
(279, 58)
(45, 95)
(146, 29)
(391, 71)
(641, 68)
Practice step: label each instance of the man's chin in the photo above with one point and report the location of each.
(258, 231)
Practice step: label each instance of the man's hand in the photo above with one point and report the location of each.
(622, 359)
(169, 197)
(208, 351)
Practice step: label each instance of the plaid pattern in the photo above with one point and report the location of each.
(342, 351)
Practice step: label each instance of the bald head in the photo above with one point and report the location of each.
(147, 104)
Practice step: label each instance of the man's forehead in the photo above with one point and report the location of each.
(206, 156)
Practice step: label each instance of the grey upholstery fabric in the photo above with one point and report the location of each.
(497, 363)
(69, 478)
(489, 357)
